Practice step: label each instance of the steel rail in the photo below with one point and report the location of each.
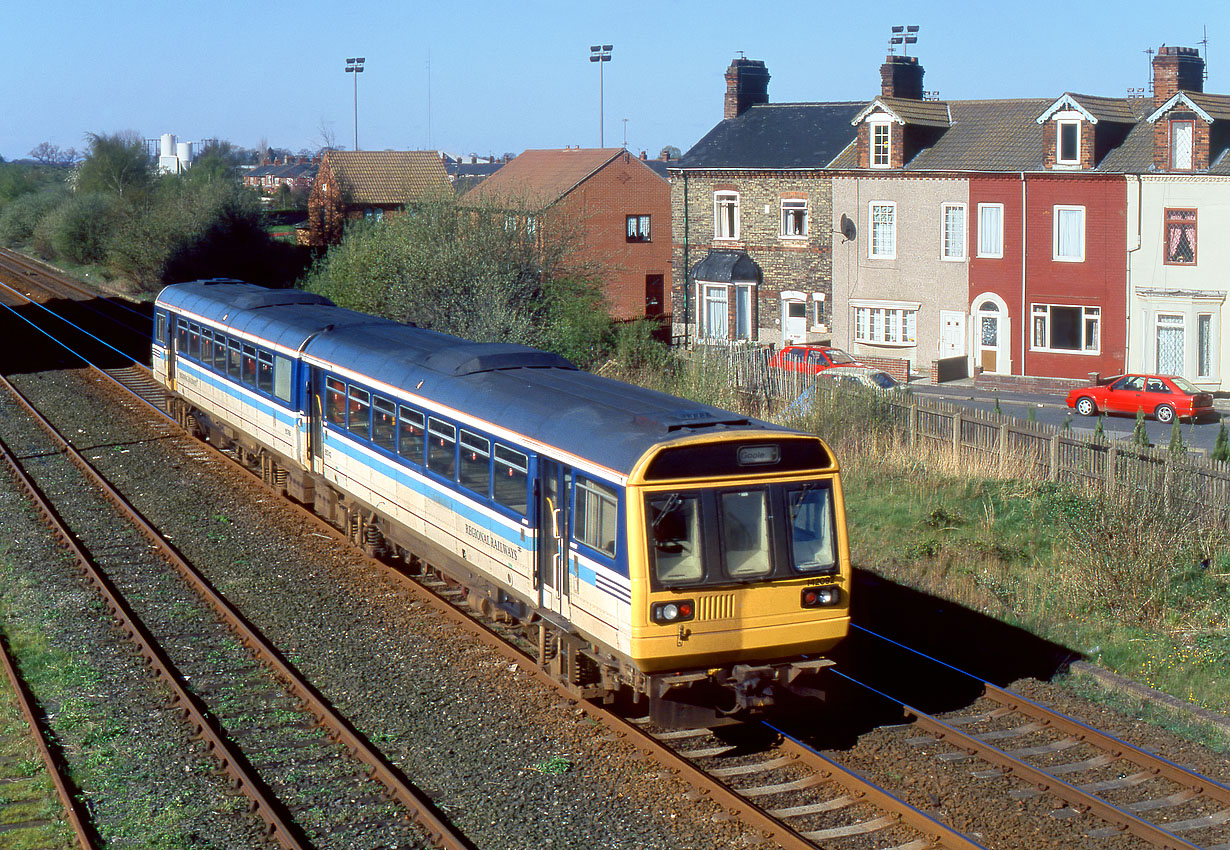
(398, 787)
(74, 809)
(205, 726)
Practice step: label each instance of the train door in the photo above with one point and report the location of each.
(171, 344)
(316, 411)
(553, 522)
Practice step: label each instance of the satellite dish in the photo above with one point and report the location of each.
(848, 230)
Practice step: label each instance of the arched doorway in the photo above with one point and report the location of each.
(992, 333)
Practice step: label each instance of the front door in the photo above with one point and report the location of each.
(952, 333)
(655, 293)
(794, 325)
(989, 331)
(553, 519)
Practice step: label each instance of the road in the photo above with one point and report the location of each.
(1050, 409)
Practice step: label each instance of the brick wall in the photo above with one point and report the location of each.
(895, 366)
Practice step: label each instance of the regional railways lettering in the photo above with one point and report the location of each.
(491, 542)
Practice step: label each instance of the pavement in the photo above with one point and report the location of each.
(963, 389)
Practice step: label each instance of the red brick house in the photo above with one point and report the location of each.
(368, 184)
(619, 207)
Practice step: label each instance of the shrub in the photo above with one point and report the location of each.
(22, 215)
(81, 229)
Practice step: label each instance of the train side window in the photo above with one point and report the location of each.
(475, 472)
(812, 548)
(281, 377)
(335, 401)
(512, 475)
(410, 434)
(384, 423)
(745, 533)
(194, 342)
(441, 447)
(264, 371)
(207, 346)
(220, 352)
(232, 365)
(597, 515)
(182, 341)
(675, 538)
(360, 413)
(160, 332)
(249, 365)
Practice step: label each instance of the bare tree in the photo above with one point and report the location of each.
(328, 137)
(49, 154)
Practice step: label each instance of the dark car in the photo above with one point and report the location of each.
(1161, 396)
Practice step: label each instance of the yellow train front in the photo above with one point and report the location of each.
(740, 572)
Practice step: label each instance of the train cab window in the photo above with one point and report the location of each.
(511, 479)
(207, 346)
(194, 342)
(281, 377)
(745, 533)
(441, 447)
(360, 414)
(181, 343)
(249, 365)
(160, 328)
(812, 547)
(675, 538)
(596, 515)
(233, 360)
(264, 372)
(410, 434)
(475, 469)
(384, 423)
(220, 353)
(335, 401)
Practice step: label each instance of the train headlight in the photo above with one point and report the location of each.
(665, 613)
(821, 597)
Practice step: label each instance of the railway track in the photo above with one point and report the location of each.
(248, 704)
(802, 799)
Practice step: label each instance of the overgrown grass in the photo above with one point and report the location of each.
(1138, 582)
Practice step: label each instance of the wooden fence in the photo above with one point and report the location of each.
(986, 440)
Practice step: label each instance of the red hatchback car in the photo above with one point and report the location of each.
(1160, 396)
(810, 359)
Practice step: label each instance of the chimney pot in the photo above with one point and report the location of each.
(1176, 69)
(747, 83)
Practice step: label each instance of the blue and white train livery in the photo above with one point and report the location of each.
(664, 549)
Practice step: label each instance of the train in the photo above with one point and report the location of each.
(683, 558)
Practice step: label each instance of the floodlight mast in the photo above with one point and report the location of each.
(600, 53)
(905, 36)
(355, 66)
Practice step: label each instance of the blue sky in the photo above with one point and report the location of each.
(508, 76)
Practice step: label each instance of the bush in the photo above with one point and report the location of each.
(80, 230)
(22, 215)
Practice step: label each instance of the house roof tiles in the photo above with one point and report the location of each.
(538, 178)
(776, 136)
(387, 177)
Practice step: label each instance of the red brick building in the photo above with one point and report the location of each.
(617, 207)
(357, 184)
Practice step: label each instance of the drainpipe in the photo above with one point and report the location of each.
(1127, 330)
(687, 283)
(1026, 318)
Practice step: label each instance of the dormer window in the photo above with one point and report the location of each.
(1181, 134)
(1068, 143)
(880, 147)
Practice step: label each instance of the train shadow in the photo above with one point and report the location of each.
(953, 650)
(29, 332)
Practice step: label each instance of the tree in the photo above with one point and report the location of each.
(1177, 446)
(46, 153)
(1139, 435)
(670, 152)
(117, 164)
(216, 162)
(1221, 446)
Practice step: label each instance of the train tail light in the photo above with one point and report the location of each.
(821, 597)
(665, 613)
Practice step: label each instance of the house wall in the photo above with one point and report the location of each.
(1100, 280)
(1188, 291)
(917, 275)
(599, 207)
(787, 264)
(998, 276)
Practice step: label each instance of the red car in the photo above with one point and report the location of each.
(810, 359)
(1160, 396)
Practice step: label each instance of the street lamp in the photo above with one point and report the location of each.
(355, 66)
(600, 53)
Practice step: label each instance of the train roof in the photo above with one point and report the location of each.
(525, 390)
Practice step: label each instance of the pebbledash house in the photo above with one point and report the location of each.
(1017, 240)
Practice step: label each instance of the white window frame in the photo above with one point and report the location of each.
(1059, 128)
(709, 294)
(797, 206)
(952, 240)
(1209, 356)
(881, 153)
(996, 250)
(892, 324)
(884, 252)
(722, 199)
(1190, 160)
(1055, 214)
(1088, 315)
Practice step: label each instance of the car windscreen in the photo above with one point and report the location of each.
(839, 357)
(1186, 386)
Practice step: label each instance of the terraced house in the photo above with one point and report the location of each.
(1029, 239)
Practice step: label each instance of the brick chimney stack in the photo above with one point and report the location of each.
(747, 83)
(901, 76)
(1176, 69)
